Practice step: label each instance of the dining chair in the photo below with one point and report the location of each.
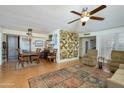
(36, 56)
(22, 58)
(52, 56)
(38, 50)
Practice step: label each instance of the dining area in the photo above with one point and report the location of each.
(38, 56)
(28, 56)
(27, 49)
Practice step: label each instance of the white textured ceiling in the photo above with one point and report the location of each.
(47, 18)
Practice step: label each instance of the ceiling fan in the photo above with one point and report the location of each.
(85, 15)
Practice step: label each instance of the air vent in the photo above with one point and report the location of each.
(87, 34)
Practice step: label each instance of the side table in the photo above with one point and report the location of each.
(100, 62)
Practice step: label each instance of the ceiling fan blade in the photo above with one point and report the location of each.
(74, 20)
(77, 13)
(96, 18)
(97, 9)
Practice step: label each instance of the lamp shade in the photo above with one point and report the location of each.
(29, 34)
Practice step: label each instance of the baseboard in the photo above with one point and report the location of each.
(68, 60)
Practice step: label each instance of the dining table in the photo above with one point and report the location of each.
(30, 54)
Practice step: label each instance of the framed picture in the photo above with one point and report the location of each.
(39, 43)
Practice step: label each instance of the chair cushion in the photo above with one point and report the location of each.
(118, 78)
(120, 71)
(114, 64)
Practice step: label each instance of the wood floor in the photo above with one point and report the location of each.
(10, 76)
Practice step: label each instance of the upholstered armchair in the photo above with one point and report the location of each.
(91, 58)
(117, 58)
(117, 80)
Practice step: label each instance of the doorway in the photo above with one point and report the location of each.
(86, 43)
(12, 45)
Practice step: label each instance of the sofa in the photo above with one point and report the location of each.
(90, 58)
(117, 80)
(117, 57)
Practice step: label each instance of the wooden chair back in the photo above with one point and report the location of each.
(19, 52)
(21, 57)
(55, 52)
(38, 50)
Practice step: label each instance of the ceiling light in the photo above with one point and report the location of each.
(29, 34)
(84, 19)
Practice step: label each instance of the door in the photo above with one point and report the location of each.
(86, 47)
(93, 42)
(12, 46)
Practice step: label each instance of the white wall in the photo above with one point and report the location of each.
(58, 44)
(24, 43)
(23, 33)
(107, 40)
(88, 34)
(34, 39)
(55, 39)
(4, 37)
(0, 48)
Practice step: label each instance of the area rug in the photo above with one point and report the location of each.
(76, 76)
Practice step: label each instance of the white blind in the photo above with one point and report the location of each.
(120, 45)
(109, 42)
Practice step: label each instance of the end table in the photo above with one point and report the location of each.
(100, 62)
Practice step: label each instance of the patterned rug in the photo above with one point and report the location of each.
(76, 76)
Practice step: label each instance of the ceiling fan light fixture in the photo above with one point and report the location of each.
(86, 15)
(85, 19)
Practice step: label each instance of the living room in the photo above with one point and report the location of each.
(83, 56)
